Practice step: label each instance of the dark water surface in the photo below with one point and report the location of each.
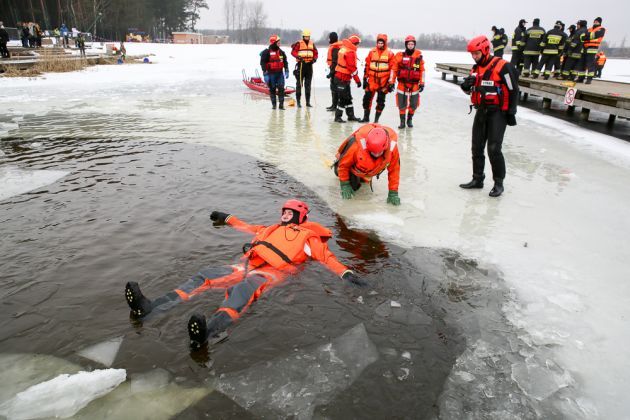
(139, 211)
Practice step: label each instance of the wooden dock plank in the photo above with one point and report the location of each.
(601, 95)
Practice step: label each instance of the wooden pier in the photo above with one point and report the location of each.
(612, 98)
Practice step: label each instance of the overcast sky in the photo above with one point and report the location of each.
(399, 18)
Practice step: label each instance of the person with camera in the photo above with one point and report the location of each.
(493, 87)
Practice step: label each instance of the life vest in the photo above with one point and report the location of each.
(379, 63)
(285, 246)
(306, 51)
(276, 63)
(366, 166)
(590, 42)
(410, 68)
(342, 65)
(489, 90)
(331, 49)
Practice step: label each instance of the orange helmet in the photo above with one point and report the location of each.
(479, 43)
(410, 38)
(377, 140)
(298, 206)
(354, 39)
(273, 39)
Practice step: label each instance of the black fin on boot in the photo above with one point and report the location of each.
(197, 330)
(139, 304)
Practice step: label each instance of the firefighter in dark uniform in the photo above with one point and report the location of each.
(531, 52)
(499, 42)
(565, 51)
(574, 67)
(493, 86)
(592, 40)
(518, 44)
(553, 44)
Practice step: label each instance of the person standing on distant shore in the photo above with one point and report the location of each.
(4, 39)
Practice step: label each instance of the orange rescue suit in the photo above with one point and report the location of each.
(409, 70)
(283, 247)
(347, 62)
(332, 47)
(358, 160)
(378, 66)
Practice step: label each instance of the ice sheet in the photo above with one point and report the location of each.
(62, 396)
(17, 181)
(293, 385)
(103, 353)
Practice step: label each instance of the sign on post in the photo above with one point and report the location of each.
(569, 97)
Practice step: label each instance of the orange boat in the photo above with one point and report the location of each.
(259, 85)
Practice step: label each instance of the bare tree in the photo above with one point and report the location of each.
(193, 8)
(256, 19)
(227, 14)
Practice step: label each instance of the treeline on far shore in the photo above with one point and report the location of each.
(433, 41)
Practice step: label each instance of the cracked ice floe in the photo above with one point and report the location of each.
(16, 181)
(62, 396)
(103, 353)
(294, 385)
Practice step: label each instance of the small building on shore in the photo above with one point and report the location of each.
(197, 38)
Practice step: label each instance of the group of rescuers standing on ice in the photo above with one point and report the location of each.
(278, 251)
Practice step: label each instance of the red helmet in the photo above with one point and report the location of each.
(354, 39)
(479, 43)
(273, 39)
(377, 140)
(298, 206)
(410, 38)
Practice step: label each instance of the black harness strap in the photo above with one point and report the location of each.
(274, 249)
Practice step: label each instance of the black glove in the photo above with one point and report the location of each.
(353, 278)
(468, 84)
(420, 88)
(390, 88)
(359, 84)
(511, 120)
(218, 217)
(329, 75)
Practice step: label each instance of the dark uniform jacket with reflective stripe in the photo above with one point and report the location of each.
(553, 41)
(499, 41)
(533, 39)
(577, 43)
(518, 39)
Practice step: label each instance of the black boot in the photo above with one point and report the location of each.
(535, 76)
(331, 108)
(139, 304)
(338, 115)
(546, 77)
(197, 330)
(588, 81)
(476, 182)
(273, 101)
(366, 116)
(308, 101)
(297, 100)
(377, 115)
(580, 79)
(409, 120)
(497, 190)
(402, 121)
(350, 113)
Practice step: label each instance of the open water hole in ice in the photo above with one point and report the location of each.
(129, 210)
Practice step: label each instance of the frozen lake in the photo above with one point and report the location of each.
(553, 248)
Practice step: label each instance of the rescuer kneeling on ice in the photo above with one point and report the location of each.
(493, 86)
(275, 253)
(365, 154)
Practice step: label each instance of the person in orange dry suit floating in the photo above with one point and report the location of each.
(275, 253)
(365, 154)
